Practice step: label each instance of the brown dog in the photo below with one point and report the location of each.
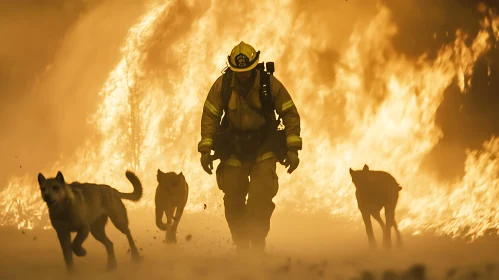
(375, 190)
(85, 207)
(171, 197)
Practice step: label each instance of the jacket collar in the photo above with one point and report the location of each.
(256, 83)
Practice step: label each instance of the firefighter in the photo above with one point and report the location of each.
(250, 167)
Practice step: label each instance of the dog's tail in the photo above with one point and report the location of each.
(137, 187)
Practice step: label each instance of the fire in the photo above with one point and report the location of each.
(149, 119)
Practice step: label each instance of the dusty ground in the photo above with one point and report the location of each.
(300, 247)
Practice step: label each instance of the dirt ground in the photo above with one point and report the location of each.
(299, 247)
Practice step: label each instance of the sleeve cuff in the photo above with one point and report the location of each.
(294, 142)
(205, 145)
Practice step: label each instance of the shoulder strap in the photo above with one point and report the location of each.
(226, 90)
(266, 96)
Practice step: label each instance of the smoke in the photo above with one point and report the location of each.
(54, 57)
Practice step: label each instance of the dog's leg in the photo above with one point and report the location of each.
(98, 231)
(178, 216)
(120, 220)
(176, 220)
(169, 210)
(80, 237)
(400, 244)
(395, 226)
(377, 217)
(65, 241)
(159, 218)
(390, 222)
(369, 228)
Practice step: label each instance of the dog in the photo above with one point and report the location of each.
(171, 197)
(86, 207)
(375, 190)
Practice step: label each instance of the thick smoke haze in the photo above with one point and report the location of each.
(54, 58)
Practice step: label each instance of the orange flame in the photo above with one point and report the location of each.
(141, 126)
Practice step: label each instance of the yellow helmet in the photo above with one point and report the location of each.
(243, 58)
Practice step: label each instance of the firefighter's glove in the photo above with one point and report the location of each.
(292, 161)
(207, 162)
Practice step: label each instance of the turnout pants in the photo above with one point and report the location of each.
(248, 220)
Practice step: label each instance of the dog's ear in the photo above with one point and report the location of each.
(366, 168)
(41, 179)
(353, 173)
(59, 177)
(181, 174)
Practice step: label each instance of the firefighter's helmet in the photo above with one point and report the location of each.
(243, 58)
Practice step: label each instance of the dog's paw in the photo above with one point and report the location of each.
(168, 241)
(80, 251)
(171, 240)
(137, 258)
(171, 237)
(70, 269)
(111, 266)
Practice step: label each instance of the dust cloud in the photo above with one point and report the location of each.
(299, 247)
(57, 56)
